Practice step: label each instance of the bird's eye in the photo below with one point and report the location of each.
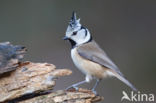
(74, 33)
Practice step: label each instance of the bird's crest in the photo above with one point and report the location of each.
(74, 22)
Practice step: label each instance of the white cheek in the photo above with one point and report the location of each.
(81, 34)
(85, 39)
(80, 37)
(78, 40)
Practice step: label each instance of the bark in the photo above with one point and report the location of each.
(62, 96)
(33, 82)
(28, 82)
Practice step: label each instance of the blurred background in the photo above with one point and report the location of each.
(125, 29)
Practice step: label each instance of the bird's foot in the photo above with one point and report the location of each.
(72, 86)
(94, 91)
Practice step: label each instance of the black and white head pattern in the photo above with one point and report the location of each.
(76, 33)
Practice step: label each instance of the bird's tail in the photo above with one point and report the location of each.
(126, 82)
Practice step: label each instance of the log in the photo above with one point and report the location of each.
(10, 56)
(62, 96)
(29, 78)
(30, 82)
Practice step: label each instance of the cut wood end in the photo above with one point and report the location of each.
(61, 72)
(29, 78)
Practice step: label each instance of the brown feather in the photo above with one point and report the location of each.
(94, 53)
(88, 67)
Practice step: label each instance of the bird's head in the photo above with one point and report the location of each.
(76, 33)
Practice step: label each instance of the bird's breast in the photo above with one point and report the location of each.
(86, 66)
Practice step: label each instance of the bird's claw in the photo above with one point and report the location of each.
(94, 92)
(76, 88)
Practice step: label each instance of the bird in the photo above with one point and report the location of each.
(89, 57)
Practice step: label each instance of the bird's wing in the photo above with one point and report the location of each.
(93, 52)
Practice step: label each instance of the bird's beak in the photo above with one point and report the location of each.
(65, 38)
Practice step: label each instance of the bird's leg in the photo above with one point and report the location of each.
(75, 85)
(93, 89)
